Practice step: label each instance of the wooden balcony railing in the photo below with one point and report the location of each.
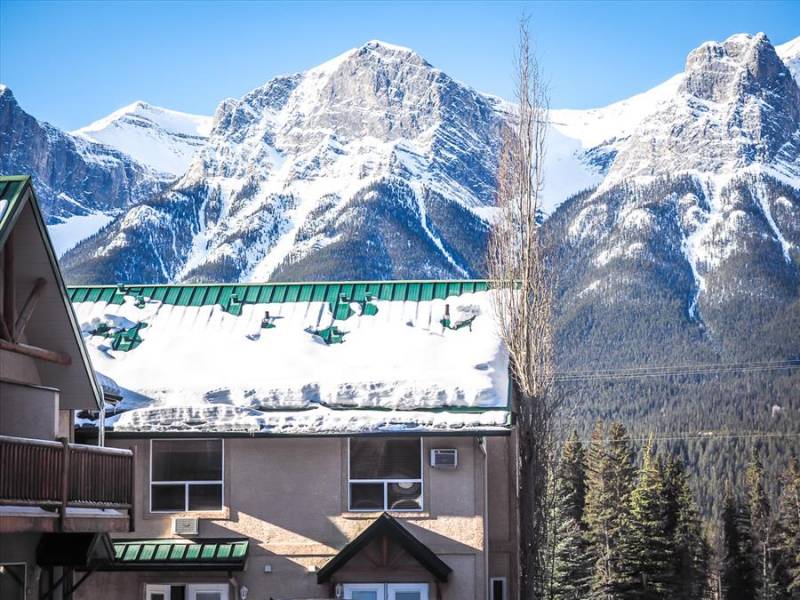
(61, 475)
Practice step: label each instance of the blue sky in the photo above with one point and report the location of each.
(72, 62)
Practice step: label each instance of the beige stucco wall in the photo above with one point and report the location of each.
(289, 496)
(502, 510)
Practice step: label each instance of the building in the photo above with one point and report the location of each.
(307, 441)
(58, 500)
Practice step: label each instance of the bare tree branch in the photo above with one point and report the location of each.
(523, 304)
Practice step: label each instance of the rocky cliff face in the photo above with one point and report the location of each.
(737, 106)
(349, 170)
(73, 177)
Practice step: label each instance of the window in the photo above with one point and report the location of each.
(193, 591)
(386, 591)
(12, 581)
(497, 588)
(385, 474)
(185, 475)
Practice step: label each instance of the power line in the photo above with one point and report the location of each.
(710, 435)
(676, 370)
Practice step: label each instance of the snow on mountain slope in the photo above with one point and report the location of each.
(597, 126)
(790, 55)
(163, 139)
(582, 144)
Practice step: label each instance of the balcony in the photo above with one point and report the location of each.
(57, 486)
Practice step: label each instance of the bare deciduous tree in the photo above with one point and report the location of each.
(516, 263)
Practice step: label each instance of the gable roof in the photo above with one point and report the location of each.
(54, 325)
(299, 358)
(386, 525)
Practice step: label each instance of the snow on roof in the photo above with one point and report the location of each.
(208, 360)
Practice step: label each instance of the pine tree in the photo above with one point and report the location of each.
(610, 481)
(787, 538)
(761, 527)
(738, 573)
(572, 565)
(646, 546)
(689, 550)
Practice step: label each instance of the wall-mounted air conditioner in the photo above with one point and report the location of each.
(184, 526)
(444, 458)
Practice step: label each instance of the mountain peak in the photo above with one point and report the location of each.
(161, 138)
(387, 47)
(737, 107)
(6, 91)
(715, 71)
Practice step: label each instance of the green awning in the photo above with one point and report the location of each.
(202, 554)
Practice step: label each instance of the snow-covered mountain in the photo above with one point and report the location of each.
(374, 164)
(81, 184)
(377, 164)
(696, 220)
(165, 140)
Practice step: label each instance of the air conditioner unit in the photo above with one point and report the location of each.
(444, 458)
(184, 526)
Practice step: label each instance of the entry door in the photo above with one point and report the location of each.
(407, 591)
(364, 591)
(207, 591)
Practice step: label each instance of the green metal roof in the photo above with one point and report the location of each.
(11, 189)
(161, 554)
(232, 295)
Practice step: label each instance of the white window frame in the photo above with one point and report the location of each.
(24, 574)
(150, 589)
(386, 483)
(386, 591)
(504, 583)
(186, 484)
(392, 588)
(190, 589)
(379, 588)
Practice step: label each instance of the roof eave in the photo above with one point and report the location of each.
(128, 435)
(27, 193)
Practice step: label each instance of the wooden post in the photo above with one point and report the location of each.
(5, 334)
(9, 292)
(64, 483)
(29, 307)
(67, 587)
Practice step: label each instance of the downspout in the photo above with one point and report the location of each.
(482, 446)
(234, 583)
(101, 428)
